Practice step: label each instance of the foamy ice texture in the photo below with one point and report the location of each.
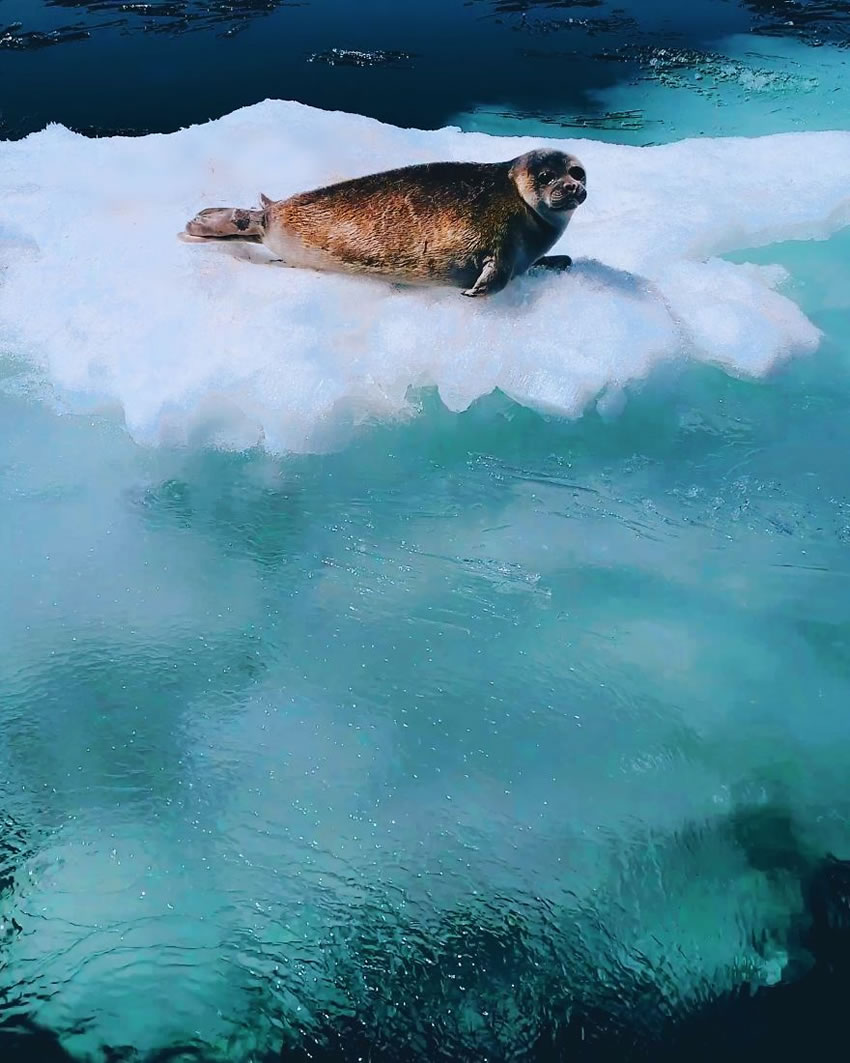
(200, 344)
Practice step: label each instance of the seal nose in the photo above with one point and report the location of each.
(570, 194)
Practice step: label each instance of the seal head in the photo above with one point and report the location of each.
(552, 183)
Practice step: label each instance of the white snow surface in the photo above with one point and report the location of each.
(204, 345)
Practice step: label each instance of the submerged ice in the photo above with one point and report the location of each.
(198, 344)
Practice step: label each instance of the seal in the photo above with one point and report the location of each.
(473, 225)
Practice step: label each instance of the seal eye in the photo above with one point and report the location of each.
(546, 177)
(577, 174)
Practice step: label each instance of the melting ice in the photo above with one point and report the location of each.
(201, 344)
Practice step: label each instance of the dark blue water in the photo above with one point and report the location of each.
(118, 66)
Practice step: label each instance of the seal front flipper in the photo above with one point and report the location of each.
(493, 277)
(557, 263)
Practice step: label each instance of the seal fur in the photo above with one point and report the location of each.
(475, 225)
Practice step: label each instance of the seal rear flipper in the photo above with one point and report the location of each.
(223, 223)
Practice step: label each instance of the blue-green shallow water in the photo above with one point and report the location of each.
(490, 736)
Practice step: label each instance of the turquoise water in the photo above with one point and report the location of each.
(429, 738)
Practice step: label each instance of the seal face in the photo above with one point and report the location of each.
(475, 225)
(550, 182)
